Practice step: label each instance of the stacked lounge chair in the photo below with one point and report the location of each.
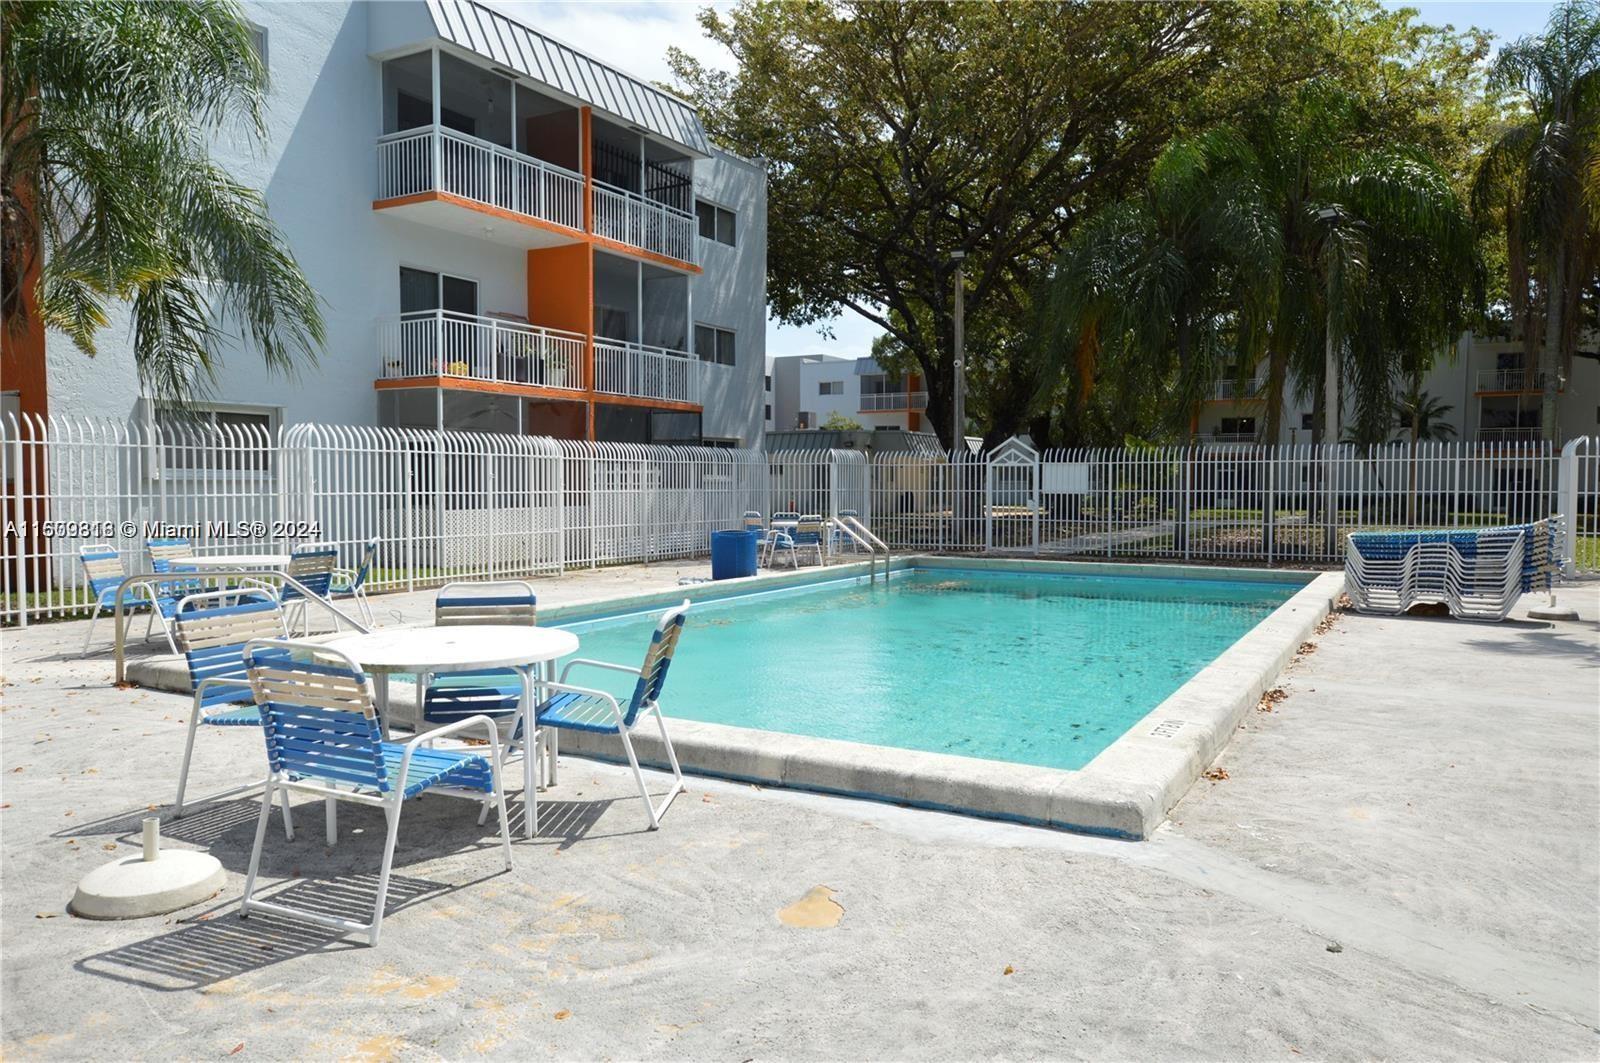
(1479, 573)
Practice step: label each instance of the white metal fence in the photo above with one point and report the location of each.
(450, 505)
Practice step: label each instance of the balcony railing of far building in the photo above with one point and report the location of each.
(483, 172)
(894, 400)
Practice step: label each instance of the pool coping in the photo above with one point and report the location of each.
(1126, 791)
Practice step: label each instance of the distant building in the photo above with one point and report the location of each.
(1491, 395)
(810, 388)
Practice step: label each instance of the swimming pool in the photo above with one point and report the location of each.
(1044, 670)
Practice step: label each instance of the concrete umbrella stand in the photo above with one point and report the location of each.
(152, 883)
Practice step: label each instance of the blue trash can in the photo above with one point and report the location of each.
(733, 553)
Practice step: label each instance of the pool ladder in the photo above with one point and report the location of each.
(862, 536)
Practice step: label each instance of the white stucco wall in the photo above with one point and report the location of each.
(731, 293)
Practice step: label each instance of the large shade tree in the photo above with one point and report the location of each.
(108, 192)
(1300, 238)
(896, 134)
(1540, 179)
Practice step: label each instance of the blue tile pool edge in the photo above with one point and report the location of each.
(1124, 792)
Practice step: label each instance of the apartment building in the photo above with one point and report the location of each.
(1492, 398)
(810, 389)
(508, 234)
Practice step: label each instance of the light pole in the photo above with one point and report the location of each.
(958, 426)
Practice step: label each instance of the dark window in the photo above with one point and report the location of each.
(716, 223)
(714, 344)
(1308, 421)
(831, 387)
(768, 414)
(258, 44)
(767, 381)
(1238, 426)
(216, 439)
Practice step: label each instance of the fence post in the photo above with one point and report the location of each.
(1036, 497)
(1186, 505)
(1270, 518)
(18, 474)
(408, 510)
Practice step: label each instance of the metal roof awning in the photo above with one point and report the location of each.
(521, 48)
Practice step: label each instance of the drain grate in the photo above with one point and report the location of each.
(1166, 729)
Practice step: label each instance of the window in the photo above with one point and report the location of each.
(1237, 426)
(767, 416)
(258, 44)
(422, 290)
(831, 387)
(767, 382)
(714, 344)
(803, 419)
(716, 223)
(1308, 421)
(212, 437)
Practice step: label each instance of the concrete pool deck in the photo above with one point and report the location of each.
(1403, 860)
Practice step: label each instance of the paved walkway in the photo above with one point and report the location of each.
(1400, 862)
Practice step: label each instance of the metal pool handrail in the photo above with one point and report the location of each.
(119, 617)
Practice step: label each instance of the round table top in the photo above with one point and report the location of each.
(455, 648)
(235, 561)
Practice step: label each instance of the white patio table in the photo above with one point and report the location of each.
(463, 648)
(261, 561)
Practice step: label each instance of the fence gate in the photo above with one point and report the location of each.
(1011, 497)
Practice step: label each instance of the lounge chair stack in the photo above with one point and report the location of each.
(1478, 573)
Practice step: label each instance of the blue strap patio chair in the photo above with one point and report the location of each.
(168, 555)
(323, 738)
(352, 583)
(807, 537)
(576, 708)
(102, 567)
(312, 564)
(213, 629)
(753, 521)
(494, 692)
(779, 537)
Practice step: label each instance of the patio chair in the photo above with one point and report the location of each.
(494, 692)
(753, 521)
(102, 566)
(312, 564)
(807, 536)
(323, 738)
(778, 537)
(576, 708)
(212, 631)
(168, 555)
(838, 540)
(352, 583)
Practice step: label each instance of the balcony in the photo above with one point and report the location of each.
(1521, 434)
(894, 401)
(642, 372)
(1220, 436)
(1514, 381)
(631, 219)
(482, 173)
(1236, 391)
(438, 343)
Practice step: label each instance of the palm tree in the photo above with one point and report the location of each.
(108, 191)
(1540, 178)
(1420, 417)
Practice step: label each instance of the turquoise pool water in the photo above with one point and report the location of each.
(1034, 669)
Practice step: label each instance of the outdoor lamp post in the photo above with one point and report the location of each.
(958, 426)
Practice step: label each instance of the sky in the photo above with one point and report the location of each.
(635, 37)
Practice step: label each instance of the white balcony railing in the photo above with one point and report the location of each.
(432, 343)
(623, 368)
(480, 171)
(1524, 434)
(1236, 391)
(894, 400)
(629, 218)
(1510, 380)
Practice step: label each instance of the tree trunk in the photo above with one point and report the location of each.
(1277, 376)
(1550, 357)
